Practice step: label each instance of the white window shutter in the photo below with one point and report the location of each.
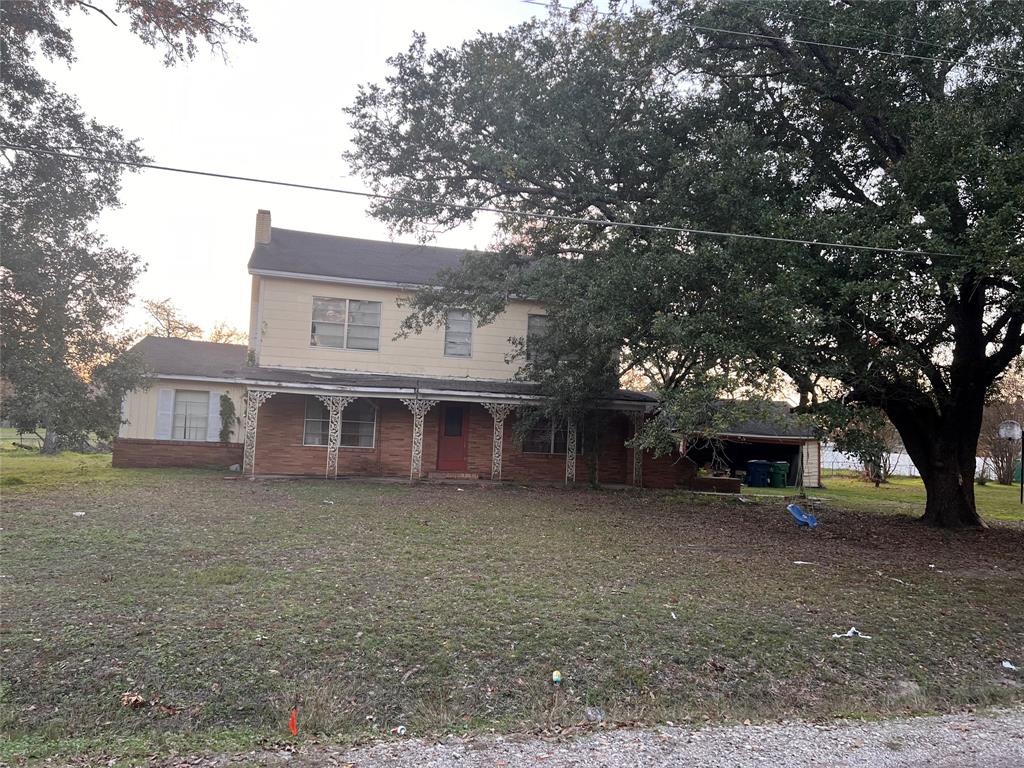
(164, 414)
(213, 419)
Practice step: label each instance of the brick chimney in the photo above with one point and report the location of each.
(262, 227)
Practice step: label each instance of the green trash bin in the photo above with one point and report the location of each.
(778, 473)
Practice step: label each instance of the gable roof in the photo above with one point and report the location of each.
(350, 258)
(172, 358)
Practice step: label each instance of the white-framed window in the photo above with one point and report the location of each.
(358, 424)
(317, 422)
(191, 414)
(536, 328)
(458, 334)
(345, 323)
(546, 436)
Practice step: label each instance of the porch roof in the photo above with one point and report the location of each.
(208, 361)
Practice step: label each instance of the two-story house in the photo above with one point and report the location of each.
(324, 387)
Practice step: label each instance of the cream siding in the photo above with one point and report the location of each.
(254, 313)
(286, 313)
(810, 457)
(140, 406)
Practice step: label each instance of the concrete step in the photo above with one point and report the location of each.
(453, 476)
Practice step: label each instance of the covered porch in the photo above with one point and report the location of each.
(422, 432)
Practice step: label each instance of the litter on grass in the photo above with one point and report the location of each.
(803, 562)
(1007, 664)
(851, 632)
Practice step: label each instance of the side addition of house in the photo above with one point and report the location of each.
(324, 387)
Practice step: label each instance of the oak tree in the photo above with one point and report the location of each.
(898, 127)
(63, 288)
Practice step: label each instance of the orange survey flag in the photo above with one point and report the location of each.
(293, 722)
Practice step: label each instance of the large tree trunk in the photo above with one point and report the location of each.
(50, 442)
(949, 485)
(942, 447)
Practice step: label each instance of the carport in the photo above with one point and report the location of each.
(782, 438)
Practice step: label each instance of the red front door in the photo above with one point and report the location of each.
(453, 439)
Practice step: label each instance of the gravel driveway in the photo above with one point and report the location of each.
(951, 741)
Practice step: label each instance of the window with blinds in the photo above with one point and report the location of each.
(458, 334)
(345, 323)
(358, 424)
(191, 414)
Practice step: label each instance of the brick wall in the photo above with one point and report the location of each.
(174, 453)
(279, 448)
(667, 471)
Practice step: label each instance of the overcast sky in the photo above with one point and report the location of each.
(273, 110)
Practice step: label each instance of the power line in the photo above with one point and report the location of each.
(471, 208)
(839, 46)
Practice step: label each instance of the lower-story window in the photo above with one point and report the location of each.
(191, 414)
(546, 436)
(358, 424)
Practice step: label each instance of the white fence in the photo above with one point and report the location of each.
(833, 460)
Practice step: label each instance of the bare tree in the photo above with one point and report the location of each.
(227, 334)
(1001, 453)
(168, 322)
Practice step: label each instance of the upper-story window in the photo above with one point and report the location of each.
(536, 327)
(345, 323)
(458, 334)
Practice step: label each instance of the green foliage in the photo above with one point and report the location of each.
(639, 116)
(228, 418)
(62, 287)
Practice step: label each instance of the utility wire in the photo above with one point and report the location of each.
(470, 208)
(840, 46)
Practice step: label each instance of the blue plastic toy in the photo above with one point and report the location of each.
(803, 519)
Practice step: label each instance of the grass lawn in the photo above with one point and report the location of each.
(904, 496)
(222, 603)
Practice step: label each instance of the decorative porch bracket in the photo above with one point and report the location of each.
(499, 412)
(570, 452)
(419, 409)
(638, 454)
(334, 404)
(254, 398)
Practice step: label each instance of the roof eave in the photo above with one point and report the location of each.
(395, 392)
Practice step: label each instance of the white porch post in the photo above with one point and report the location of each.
(570, 452)
(419, 409)
(499, 412)
(335, 404)
(638, 454)
(254, 398)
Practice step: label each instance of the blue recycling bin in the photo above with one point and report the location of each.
(757, 473)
